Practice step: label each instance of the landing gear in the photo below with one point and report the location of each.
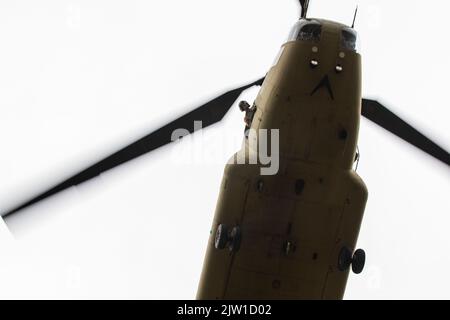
(227, 239)
(221, 239)
(345, 259)
(357, 261)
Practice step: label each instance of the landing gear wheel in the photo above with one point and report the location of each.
(235, 242)
(358, 261)
(221, 240)
(345, 259)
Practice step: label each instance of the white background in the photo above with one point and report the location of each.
(79, 79)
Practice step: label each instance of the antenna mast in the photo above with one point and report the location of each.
(354, 18)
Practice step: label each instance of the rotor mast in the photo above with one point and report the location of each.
(304, 8)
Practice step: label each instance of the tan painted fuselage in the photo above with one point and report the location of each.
(295, 223)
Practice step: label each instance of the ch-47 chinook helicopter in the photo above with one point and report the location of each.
(292, 234)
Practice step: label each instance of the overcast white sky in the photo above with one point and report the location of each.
(80, 78)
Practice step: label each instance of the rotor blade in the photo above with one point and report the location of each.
(376, 112)
(209, 113)
(304, 8)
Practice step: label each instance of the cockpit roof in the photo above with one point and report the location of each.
(311, 29)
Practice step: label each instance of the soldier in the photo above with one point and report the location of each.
(244, 106)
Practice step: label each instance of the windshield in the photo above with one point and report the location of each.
(306, 30)
(349, 39)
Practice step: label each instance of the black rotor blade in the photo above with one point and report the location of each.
(376, 112)
(209, 113)
(304, 8)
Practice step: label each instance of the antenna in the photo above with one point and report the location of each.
(304, 4)
(354, 18)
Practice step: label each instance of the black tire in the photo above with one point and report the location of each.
(345, 259)
(358, 261)
(221, 239)
(235, 239)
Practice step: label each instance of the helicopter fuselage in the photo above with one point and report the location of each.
(294, 225)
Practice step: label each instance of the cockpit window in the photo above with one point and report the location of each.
(306, 30)
(349, 39)
(310, 32)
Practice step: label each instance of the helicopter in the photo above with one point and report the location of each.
(324, 92)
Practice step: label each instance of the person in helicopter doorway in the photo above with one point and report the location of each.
(250, 111)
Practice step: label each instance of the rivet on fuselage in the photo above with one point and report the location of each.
(276, 284)
(342, 55)
(315, 49)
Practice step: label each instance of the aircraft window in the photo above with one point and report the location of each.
(349, 39)
(310, 32)
(306, 30)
